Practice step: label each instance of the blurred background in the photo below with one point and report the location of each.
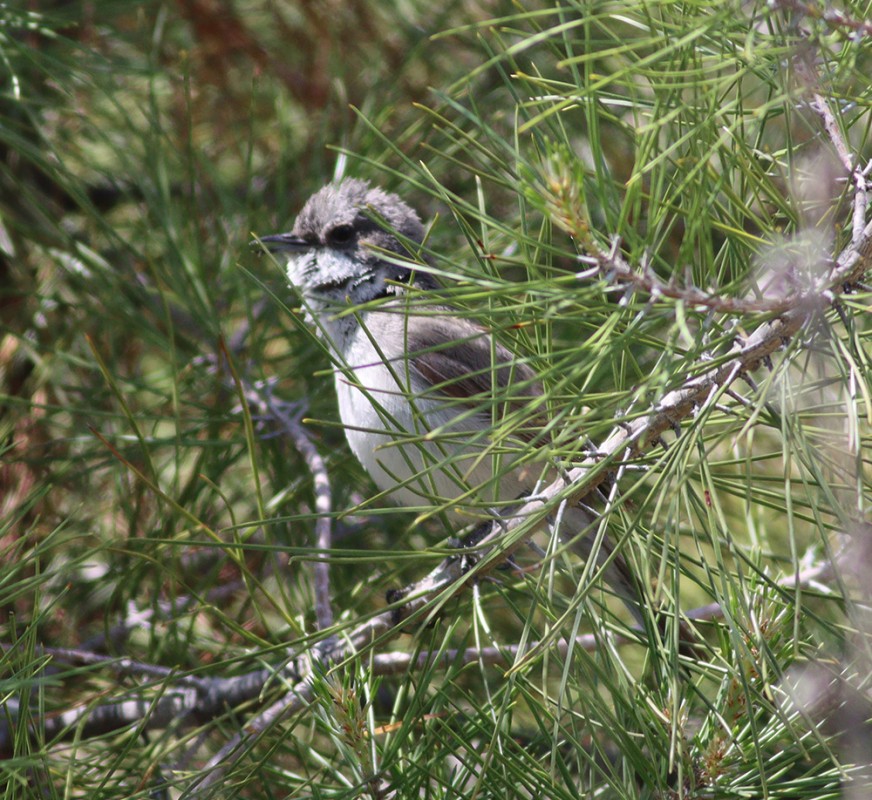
(152, 505)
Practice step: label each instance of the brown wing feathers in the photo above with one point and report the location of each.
(463, 367)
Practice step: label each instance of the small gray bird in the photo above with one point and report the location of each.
(439, 413)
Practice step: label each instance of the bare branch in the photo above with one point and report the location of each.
(614, 268)
(260, 398)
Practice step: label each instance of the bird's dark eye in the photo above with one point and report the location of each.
(340, 235)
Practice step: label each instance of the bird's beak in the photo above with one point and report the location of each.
(280, 242)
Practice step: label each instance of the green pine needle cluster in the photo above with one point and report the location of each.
(587, 172)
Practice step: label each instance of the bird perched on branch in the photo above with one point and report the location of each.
(439, 413)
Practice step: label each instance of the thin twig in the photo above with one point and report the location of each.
(323, 508)
(615, 269)
(262, 399)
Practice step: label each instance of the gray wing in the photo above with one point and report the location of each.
(463, 361)
(442, 350)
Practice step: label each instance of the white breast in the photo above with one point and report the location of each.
(421, 449)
